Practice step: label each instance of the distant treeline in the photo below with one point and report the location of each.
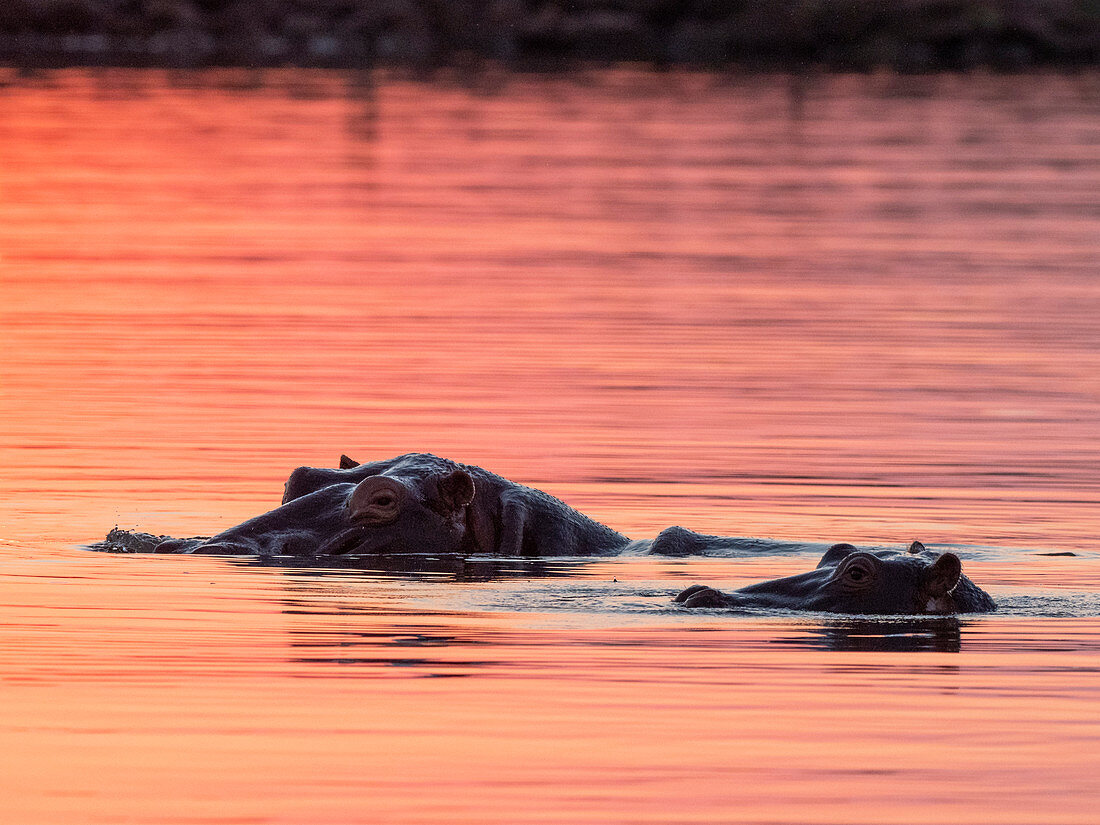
(907, 35)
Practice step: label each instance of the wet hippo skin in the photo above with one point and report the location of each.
(512, 519)
(419, 503)
(414, 503)
(848, 580)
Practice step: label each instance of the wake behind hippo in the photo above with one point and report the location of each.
(848, 580)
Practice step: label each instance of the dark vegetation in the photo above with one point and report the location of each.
(905, 35)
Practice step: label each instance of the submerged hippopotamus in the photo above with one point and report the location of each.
(415, 503)
(422, 504)
(848, 580)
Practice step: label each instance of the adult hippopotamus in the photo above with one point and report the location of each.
(422, 504)
(414, 503)
(848, 580)
(500, 516)
(515, 520)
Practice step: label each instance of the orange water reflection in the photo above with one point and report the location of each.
(178, 690)
(860, 308)
(664, 298)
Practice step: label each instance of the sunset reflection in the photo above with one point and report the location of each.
(829, 308)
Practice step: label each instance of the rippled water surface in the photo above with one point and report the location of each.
(819, 309)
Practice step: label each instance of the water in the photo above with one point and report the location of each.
(821, 309)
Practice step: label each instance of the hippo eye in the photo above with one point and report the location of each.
(383, 500)
(858, 573)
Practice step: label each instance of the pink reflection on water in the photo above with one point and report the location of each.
(876, 320)
(665, 299)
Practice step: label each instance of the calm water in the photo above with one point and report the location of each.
(841, 308)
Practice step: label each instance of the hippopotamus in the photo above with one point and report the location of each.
(423, 504)
(414, 503)
(849, 580)
(511, 519)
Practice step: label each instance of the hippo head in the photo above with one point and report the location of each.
(397, 509)
(848, 580)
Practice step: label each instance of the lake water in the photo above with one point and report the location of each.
(824, 309)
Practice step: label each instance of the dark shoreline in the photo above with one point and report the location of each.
(426, 35)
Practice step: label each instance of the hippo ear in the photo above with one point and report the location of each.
(916, 547)
(944, 574)
(456, 490)
(348, 463)
(836, 553)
